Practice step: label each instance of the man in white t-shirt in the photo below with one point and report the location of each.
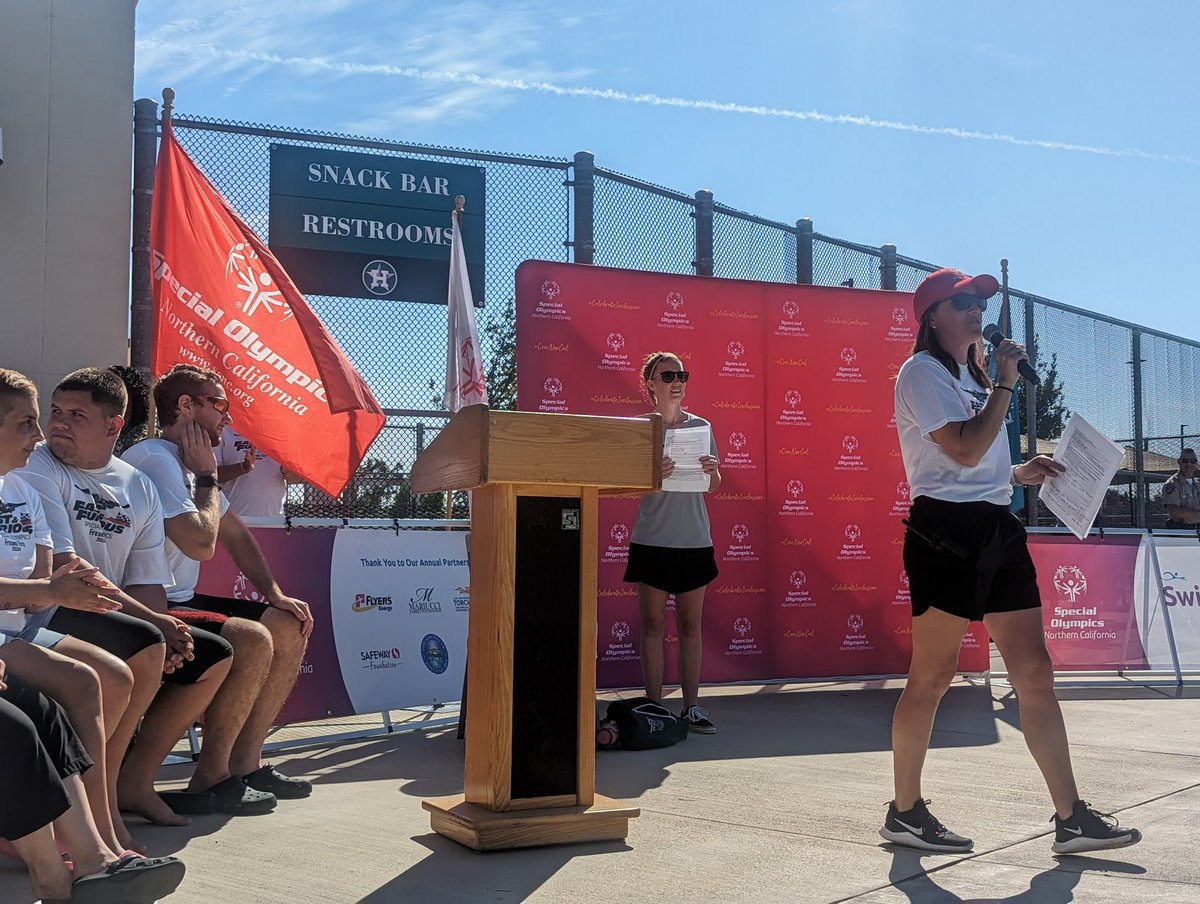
(254, 484)
(109, 514)
(269, 638)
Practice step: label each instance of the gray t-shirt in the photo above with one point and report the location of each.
(677, 520)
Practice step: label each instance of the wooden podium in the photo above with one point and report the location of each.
(530, 769)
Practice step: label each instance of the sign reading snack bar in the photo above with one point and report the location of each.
(371, 225)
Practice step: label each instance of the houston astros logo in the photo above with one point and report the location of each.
(850, 444)
(790, 308)
(903, 489)
(674, 301)
(899, 316)
(1070, 581)
(550, 290)
(735, 349)
(553, 386)
(379, 277)
(798, 579)
(742, 625)
(855, 623)
(737, 440)
(795, 489)
(849, 355)
(620, 630)
(619, 533)
(616, 341)
(739, 532)
(853, 533)
(792, 398)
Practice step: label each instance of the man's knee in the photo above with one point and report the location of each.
(285, 628)
(249, 639)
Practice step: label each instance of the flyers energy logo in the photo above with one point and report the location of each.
(434, 654)
(105, 517)
(366, 603)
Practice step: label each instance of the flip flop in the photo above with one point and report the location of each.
(130, 880)
(271, 780)
(189, 803)
(238, 799)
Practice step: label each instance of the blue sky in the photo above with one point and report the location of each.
(1061, 135)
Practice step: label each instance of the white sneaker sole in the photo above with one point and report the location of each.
(1082, 845)
(907, 839)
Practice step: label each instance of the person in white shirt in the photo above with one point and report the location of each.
(254, 484)
(269, 638)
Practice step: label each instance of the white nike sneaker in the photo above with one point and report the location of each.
(918, 828)
(1087, 829)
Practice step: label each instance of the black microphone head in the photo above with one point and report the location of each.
(993, 334)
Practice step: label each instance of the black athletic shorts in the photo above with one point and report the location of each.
(122, 635)
(211, 612)
(670, 569)
(983, 564)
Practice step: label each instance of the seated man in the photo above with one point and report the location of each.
(109, 513)
(268, 638)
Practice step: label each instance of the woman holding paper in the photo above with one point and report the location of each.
(967, 560)
(671, 549)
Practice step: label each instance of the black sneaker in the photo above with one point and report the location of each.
(1087, 829)
(697, 720)
(918, 828)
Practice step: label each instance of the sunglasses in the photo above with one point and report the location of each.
(219, 403)
(670, 376)
(963, 301)
(1187, 461)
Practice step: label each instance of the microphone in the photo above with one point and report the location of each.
(995, 335)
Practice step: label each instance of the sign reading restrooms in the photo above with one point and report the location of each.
(797, 382)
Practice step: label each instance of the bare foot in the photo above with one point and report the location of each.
(124, 838)
(153, 808)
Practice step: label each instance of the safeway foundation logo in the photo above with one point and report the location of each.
(740, 549)
(738, 455)
(616, 551)
(792, 414)
(741, 641)
(901, 328)
(848, 370)
(615, 357)
(736, 366)
(853, 550)
(549, 307)
(856, 639)
(797, 595)
(620, 647)
(789, 322)
(378, 660)
(674, 315)
(851, 457)
(554, 397)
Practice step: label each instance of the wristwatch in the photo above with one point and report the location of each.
(207, 480)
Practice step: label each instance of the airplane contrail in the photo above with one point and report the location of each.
(657, 100)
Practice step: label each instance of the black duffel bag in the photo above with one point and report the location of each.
(639, 724)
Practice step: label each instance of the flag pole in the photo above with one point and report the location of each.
(168, 96)
(459, 203)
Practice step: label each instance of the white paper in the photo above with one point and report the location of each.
(1091, 460)
(685, 447)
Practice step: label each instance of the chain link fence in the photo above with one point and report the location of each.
(1134, 384)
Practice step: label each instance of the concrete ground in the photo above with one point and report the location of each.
(782, 805)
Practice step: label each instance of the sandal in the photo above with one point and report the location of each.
(130, 880)
(271, 780)
(189, 803)
(238, 799)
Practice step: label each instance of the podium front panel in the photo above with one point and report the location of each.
(546, 647)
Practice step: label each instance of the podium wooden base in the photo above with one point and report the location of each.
(484, 830)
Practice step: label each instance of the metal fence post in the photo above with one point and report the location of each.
(145, 149)
(804, 251)
(703, 264)
(1031, 493)
(1139, 459)
(887, 266)
(584, 185)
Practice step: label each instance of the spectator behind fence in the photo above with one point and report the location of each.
(137, 408)
(269, 637)
(1181, 493)
(254, 484)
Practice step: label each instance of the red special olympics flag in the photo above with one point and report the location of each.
(223, 302)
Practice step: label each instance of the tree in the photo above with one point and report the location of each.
(1052, 412)
(499, 337)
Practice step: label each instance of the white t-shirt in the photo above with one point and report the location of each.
(23, 528)
(110, 516)
(929, 397)
(160, 460)
(259, 493)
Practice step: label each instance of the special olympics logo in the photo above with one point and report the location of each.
(739, 532)
(1070, 581)
(244, 590)
(616, 341)
(735, 349)
(792, 398)
(242, 264)
(550, 290)
(854, 623)
(553, 386)
(737, 440)
(795, 489)
(853, 533)
(798, 579)
(620, 630)
(619, 533)
(899, 316)
(791, 309)
(903, 489)
(903, 578)
(674, 301)
(742, 625)
(849, 355)
(850, 444)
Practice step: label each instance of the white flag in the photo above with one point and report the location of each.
(464, 369)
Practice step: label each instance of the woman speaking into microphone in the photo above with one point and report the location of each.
(967, 560)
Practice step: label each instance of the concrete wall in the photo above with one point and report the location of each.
(66, 90)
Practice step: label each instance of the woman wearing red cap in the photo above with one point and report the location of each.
(967, 560)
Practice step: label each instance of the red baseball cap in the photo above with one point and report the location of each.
(942, 284)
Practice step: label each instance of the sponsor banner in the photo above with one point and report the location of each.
(399, 611)
(1179, 561)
